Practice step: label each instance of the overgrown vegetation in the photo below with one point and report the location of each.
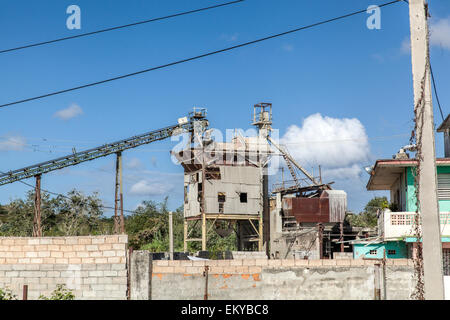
(60, 293)
(78, 215)
(7, 294)
(368, 218)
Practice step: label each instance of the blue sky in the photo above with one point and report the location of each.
(341, 70)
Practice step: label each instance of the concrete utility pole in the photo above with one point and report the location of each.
(429, 209)
(119, 222)
(171, 235)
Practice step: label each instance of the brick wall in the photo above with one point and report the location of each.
(94, 267)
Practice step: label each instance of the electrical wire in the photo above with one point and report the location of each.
(118, 27)
(435, 92)
(192, 58)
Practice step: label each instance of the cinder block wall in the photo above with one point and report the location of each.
(94, 266)
(342, 279)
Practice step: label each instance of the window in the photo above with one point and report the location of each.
(443, 186)
(212, 174)
(243, 197)
(392, 252)
(221, 197)
(373, 252)
(200, 189)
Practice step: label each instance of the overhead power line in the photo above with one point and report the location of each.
(192, 58)
(118, 27)
(435, 92)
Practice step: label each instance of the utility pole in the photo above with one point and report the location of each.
(37, 227)
(119, 223)
(429, 209)
(171, 235)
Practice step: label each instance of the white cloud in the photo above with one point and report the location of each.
(149, 188)
(71, 112)
(352, 172)
(440, 33)
(16, 143)
(135, 163)
(329, 142)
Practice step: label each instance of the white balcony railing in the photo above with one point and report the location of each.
(401, 224)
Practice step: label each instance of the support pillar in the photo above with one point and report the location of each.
(261, 235)
(37, 227)
(170, 235)
(203, 232)
(185, 235)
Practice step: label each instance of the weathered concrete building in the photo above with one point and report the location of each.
(226, 186)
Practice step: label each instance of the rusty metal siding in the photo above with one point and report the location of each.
(307, 210)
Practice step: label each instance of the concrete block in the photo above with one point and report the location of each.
(44, 254)
(72, 240)
(199, 263)
(104, 267)
(186, 263)
(123, 239)
(95, 254)
(214, 270)
(161, 263)
(158, 269)
(301, 263)
(74, 260)
(53, 247)
(357, 262)
(85, 241)
(118, 266)
(119, 246)
(195, 270)
(288, 262)
(120, 253)
(56, 254)
(45, 241)
(315, 263)
(249, 262)
(400, 262)
(46, 267)
(53, 274)
(58, 241)
(98, 240)
(274, 263)
(24, 260)
(30, 242)
(343, 262)
(31, 254)
(115, 260)
(109, 253)
(92, 247)
(91, 280)
(104, 247)
(37, 260)
(111, 239)
(254, 269)
(89, 267)
(110, 273)
(101, 260)
(79, 248)
(87, 260)
(96, 273)
(66, 248)
(241, 269)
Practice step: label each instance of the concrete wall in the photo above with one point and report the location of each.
(277, 279)
(94, 267)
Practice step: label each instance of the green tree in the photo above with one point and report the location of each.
(368, 218)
